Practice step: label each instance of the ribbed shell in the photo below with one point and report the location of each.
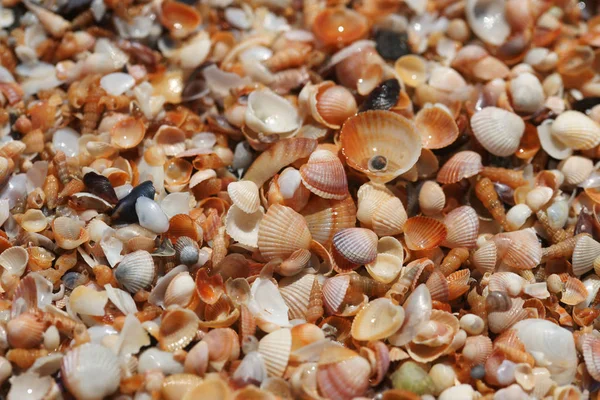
(477, 349)
(135, 271)
(436, 127)
(462, 224)
(244, 194)
(501, 321)
(591, 355)
(334, 292)
(275, 349)
(327, 217)
(576, 130)
(324, 175)
(389, 218)
(423, 233)
(380, 133)
(344, 380)
(438, 286)
(282, 231)
(574, 293)
(177, 329)
(576, 169)
(353, 247)
(464, 164)
(585, 252)
(432, 198)
(333, 105)
(499, 131)
(524, 250)
(295, 291)
(370, 196)
(485, 257)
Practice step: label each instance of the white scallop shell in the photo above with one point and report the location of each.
(135, 271)
(499, 131)
(243, 227)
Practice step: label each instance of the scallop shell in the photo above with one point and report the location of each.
(377, 207)
(523, 251)
(499, 131)
(135, 271)
(295, 291)
(14, 260)
(180, 290)
(477, 349)
(576, 169)
(432, 198)
(25, 331)
(90, 371)
(591, 352)
(379, 319)
(339, 26)
(327, 217)
(463, 164)
(69, 233)
(436, 127)
(381, 144)
(324, 175)
(423, 233)
(487, 20)
(462, 224)
(333, 105)
(244, 194)
(576, 130)
(586, 250)
(353, 247)
(499, 321)
(275, 349)
(177, 329)
(282, 231)
(242, 227)
(342, 374)
(574, 292)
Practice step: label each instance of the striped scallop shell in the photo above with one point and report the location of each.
(327, 217)
(275, 349)
(462, 224)
(135, 271)
(576, 169)
(295, 292)
(591, 355)
(244, 194)
(463, 164)
(499, 131)
(432, 198)
(477, 349)
(324, 175)
(500, 321)
(353, 247)
(524, 251)
(334, 291)
(585, 252)
(282, 231)
(389, 218)
(438, 286)
(178, 328)
(342, 374)
(576, 130)
(424, 233)
(370, 196)
(574, 292)
(436, 127)
(485, 258)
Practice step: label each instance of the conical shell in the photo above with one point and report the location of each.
(379, 319)
(177, 329)
(524, 250)
(436, 127)
(499, 131)
(423, 233)
(135, 271)
(275, 349)
(244, 194)
(576, 130)
(295, 291)
(462, 224)
(432, 198)
(585, 252)
(380, 144)
(324, 175)
(464, 164)
(353, 247)
(243, 227)
(69, 233)
(327, 217)
(282, 231)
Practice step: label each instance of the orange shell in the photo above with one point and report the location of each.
(339, 26)
(423, 233)
(436, 127)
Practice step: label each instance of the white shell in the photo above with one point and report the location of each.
(271, 114)
(121, 299)
(267, 305)
(157, 295)
(499, 131)
(66, 140)
(244, 194)
(136, 271)
(517, 216)
(151, 216)
(31, 386)
(417, 309)
(154, 358)
(243, 227)
(87, 301)
(132, 337)
(576, 169)
(117, 83)
(487, 20)
(576, 130)
(14, 260)
(554, 147)
(527, 93)
(176, 203)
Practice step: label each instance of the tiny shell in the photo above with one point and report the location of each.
(498, 130)
(117, 83)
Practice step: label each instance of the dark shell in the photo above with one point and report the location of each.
(383, 97)
(165, 249)
(100, 186)
(73, 279)
(506, 193)
(392, 45)
(125, 208)
(497, 302)
(585, 223)
(586, 104)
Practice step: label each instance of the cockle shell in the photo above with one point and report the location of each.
(69, 233)
(417, 309)
(576, 169)
(424, 233)
(462, 225)
(135, 271)
(433, 337)
(327, 217)
(339, 26)
(590, 350)
(275, 349)
(463, 164)
(244, 194)
(576, 130)
(295, 291)
(379, 319)
(477, 349)
(177, 329)
(324, 175)
(498, 130)
(342, 373)
(243, 227)
(585, 252)
(388, 263)
(282, 231)
(329, 104)
(436, 127)
(432, 198)
(353, 247)
(380, 210)
(520, 249)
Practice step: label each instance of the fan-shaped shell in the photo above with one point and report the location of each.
(574, 292)
(463, 164)
(127, 133)
(342, 374)
(69, 233)
(499, 131)
(244, 194)
(499, 321)
(324, 175)
(432, 198)
(591, 355)
(282, 231)
(14, 260)
(380, 144)
(576, 169)
(25, 331)
(353, 247)
(477, 349)
(462, 224)
(586, 250)
(333, 106)
(339, 26)
(433, 337)
(177, 329)
(275, 349)
(523, 250)
(576, 130)
(436, 127)
(243, 227)
(379, 319)
(423, 233)
(295, 291)
(327, 217)
(135, 271)
(485, 258)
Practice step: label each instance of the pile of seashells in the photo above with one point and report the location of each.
(317, 199)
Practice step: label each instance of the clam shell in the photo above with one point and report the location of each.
(275, 349)
(187, 250)
(90, 371)
(380, 144)
(69, 233)
(262, 105)
(346, 378)
(423, 233)
(585, 252)
(135, 271)
(180, 290)
(179, 18)
(463, 164)
(171, 139)
(508, 282)
(244, 194)
(282, 231)
(477, 349)
(127, 133)
(87, 301)
(327, 217)
(551, 145)
(436, 127)
(389, 260)
(417, 309)
(389, 218)
(487, 20)
(183, 225)
(150, 215)
(433, 337)
(25, 331)
(576, 130)
(524, 250)
(352, 247)
(333, 105)
(574, 292)
(432, 198)
(334, 292)
(576, 169)
(412, 69)
(14, 260)
(499, 321)
(379, 319)
(324, 175)
(370, 196)
(462, 224)
(527, 93)
(295, 291)
(33, 221)
(177, 329)
(339, 26)
(175, 386)
(242, 227)
(438, 286)
(498, 130)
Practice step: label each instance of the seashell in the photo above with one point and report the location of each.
(368, 139)
(411, 378)
(32, 221)
(180, 290)
(462, 225)
(487, 20)
(135, 271)
(527, 93)
(296, 292)
(423, 233)
(477, 349)
(251, 369)
(117, 83)
(223, 345)
(150, 215)
(463, 164)
(590, 352)
(26, 331)
(574, 292)
(438, 286)
(537, 290)
(433, 337)
(499, 321)
(281, 154)
(436, 127)
(417, 309)
(389, 260)
(281, 232)
(353, 247)
(550, 143)
(155, 359)
(575, 130)
(287, 189)
(585, 252)
(177, 329)
(261, 106)
(508, 282)
(551, 346)
(211, 389)
(90, 371)
(498, 130)
(275, 349)
(342, 373)
(432, 198)
(517, 216)
(125, 209)
(538, 197)
(244, 194)
(333, 105)
(53, 23)
(267, 305)
(380, 210)
(379, 319)
(175, 386)
(523, 250)
(183, 225)
(339, 26)
(412, 69)
(127, 133)
(69, 233)
(242, 227)
(187, 250)
(324, 175)
(87, 301)
(180, 19)
(576, 169)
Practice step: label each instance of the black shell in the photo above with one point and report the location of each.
(383, 97)
(391, 45)
(125, 208)
(100, 186)
(586, 104)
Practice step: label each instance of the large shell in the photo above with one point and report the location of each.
(576, 130)
(177, 329)
(462, 224)
(324, 175)
(327, 217)
(353, 247)
(282, 231)
(381, 144)
(487, 20)
(463, 164)
(135, 271)
(342, 374)
(377, 320)
(275, 349)
(499, 131)
(424, 233)
(69, 233)
(91, 371)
